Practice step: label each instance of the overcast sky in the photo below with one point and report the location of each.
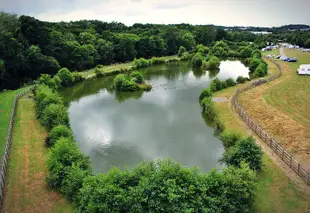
(218, 12)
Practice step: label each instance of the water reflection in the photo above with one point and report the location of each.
(122, 129)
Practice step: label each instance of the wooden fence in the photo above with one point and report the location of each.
(272, 143)
(5, 157)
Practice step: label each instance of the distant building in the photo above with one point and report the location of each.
(304, 69)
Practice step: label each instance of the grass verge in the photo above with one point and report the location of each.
(26, 190)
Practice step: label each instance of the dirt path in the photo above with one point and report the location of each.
(26, 190)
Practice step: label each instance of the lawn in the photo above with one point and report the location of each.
(26, 190)
(6, 103)
(276, 193)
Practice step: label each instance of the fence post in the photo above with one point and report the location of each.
(298, 168)
(291, 162)
(282, 153)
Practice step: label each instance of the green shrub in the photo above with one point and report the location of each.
(156, 60)
(78, 77)
(54, 115)
(146, 87)
(137, 76)
(217, 85)
(125, 83)
(174, 59)
(65, 76)
(141, 62)
(50, 98)
(254, 64)
(219, 126)
(197, 60)
(204, 65)
(205, 93)
(208, 107)
(185, 56)
(62, 156)
(256, 54)
(56, 133)
(48, 81)
(245, 150)
(261, 70)
(229, 139)
(57, 80)
(99, 66)
(181, 51)
(213, 63)
(230, 82)
(241, 79)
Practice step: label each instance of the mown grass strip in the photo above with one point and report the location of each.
(26, 190)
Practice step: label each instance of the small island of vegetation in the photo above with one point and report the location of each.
(131, 82)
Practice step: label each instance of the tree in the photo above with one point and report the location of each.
(138, 78)
(187, 40)
(214, 63)
(54, 115)
(229, 139)
(181, 51)
(197, 60)
(205, 93)
(245, 150)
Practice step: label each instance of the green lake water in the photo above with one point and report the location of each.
(123, 129)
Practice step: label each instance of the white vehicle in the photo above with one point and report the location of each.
(304, 69)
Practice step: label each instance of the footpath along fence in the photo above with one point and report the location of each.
(272, 143)
(5, 158)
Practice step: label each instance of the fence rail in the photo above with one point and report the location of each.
(5, 157)
(272, 143)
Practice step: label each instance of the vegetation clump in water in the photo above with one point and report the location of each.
(132, 82)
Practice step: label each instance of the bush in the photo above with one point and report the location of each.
(65, 76)
(142, 62)
(208, 108)
(213, 63)
(254, 64)
(230, 82)
(78, 77)
(156, 60)
(185, 56)
(63, 156)
(181, 51)
(205, 93)
(57, 80)
(56, 133)
(241, 79)
(245, 150)
(219, 126)
(48, 81)
(54, 115)
(256, 54)
(50, 98)
(261, 70)
(146, 87)
(125, 83)
(229, 139)
(137, 76)
(197, 60)
(217, 85)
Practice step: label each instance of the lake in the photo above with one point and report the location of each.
(124, 128)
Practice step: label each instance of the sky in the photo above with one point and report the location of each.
(219, 12)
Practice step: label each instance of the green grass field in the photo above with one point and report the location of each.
(276, 193)
(26, 190)
(6, 103)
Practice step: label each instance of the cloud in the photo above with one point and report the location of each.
(219, 12)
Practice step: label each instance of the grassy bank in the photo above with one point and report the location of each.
(6, 103)
(26, 190)
(276, 193)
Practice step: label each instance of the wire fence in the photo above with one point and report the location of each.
(5, 157)
(297, 167)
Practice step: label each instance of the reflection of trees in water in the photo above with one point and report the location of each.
(122, 96)
(213, 73)
(198, 72)
(86, 88)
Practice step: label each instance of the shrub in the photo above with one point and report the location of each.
(56, 133)
(141, 62)
(229, 139)
(185, 56)
(137, 76)
(181, 51)
(204, 65)
(241, 79)
(208, 108)
(256, 54)
(245, 150)
(57, 80)
(156, 60)
(213, 63)
(230, 82)
(219, 126)
(48, 81)
(217, 85)
(63, 156)
(197, 60)
(124, 83)
(78, 77)
(254, 64)
(65, 76)
(261, 70)
(205, 93)
(50, 98)
(54, 115)
(146, 87)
